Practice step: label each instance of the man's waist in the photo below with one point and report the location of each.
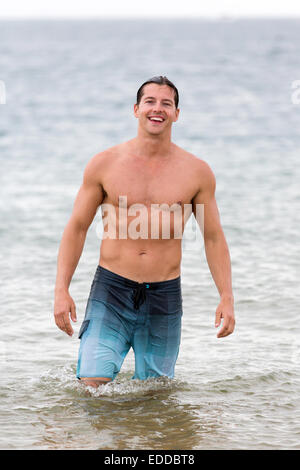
(108, 273)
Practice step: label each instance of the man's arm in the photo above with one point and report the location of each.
(216, 249)
(88, 199)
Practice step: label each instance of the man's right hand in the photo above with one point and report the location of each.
(64, 307)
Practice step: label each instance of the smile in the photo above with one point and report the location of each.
(156, 119)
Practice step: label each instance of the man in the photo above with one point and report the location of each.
(135, 299)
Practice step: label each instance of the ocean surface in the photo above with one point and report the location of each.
(70, 89)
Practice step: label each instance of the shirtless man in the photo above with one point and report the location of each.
(135, 299)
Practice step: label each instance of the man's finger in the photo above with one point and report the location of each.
(223, 332)
(59, 322)
(73, 312)
(226, 330)
(218, 318)
(67, 325)
(63, 323)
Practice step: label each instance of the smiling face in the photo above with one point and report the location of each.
(156, 111)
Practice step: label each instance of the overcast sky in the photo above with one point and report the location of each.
(144, 8)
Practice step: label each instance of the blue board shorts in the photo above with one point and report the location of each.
(122, 313)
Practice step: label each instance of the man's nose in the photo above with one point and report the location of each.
(157, 107)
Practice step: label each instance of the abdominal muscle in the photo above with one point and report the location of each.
(142, 260)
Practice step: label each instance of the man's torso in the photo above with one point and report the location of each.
(143, 211)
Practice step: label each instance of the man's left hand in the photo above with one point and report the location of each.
(225, 311)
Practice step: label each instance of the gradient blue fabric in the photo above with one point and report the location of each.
(122, 313)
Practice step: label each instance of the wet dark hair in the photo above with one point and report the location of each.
(159, 80)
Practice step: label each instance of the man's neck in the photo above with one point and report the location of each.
(151, 146)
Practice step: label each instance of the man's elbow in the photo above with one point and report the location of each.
(77, 226)
(214, 237)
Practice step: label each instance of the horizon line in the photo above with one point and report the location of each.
(224, 17)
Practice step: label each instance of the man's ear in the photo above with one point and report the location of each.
(176, 114)
(135, 109)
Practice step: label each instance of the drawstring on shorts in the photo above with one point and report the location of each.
(139, 295)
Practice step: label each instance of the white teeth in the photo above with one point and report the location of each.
(156, 119)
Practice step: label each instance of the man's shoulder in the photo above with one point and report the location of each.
(199, 165)
(104, 158)
(105, 154)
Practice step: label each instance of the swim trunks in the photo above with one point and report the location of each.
(122, 313)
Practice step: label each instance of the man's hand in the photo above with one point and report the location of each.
(63, 307)
(225, 311)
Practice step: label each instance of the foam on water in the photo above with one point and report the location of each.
(133, 387)
(62, 379)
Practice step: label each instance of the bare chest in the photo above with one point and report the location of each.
(148, 184)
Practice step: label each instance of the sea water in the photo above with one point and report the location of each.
(70, 88)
